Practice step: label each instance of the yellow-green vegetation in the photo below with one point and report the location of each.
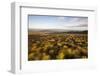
(53, 46)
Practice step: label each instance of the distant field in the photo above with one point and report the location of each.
(45, 45)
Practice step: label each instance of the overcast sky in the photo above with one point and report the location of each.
(58, 22)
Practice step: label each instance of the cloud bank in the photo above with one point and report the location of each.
(56, 22)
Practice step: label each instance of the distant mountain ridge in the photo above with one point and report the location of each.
(54, 30)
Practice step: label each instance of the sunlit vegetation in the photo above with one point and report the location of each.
(51, 46)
